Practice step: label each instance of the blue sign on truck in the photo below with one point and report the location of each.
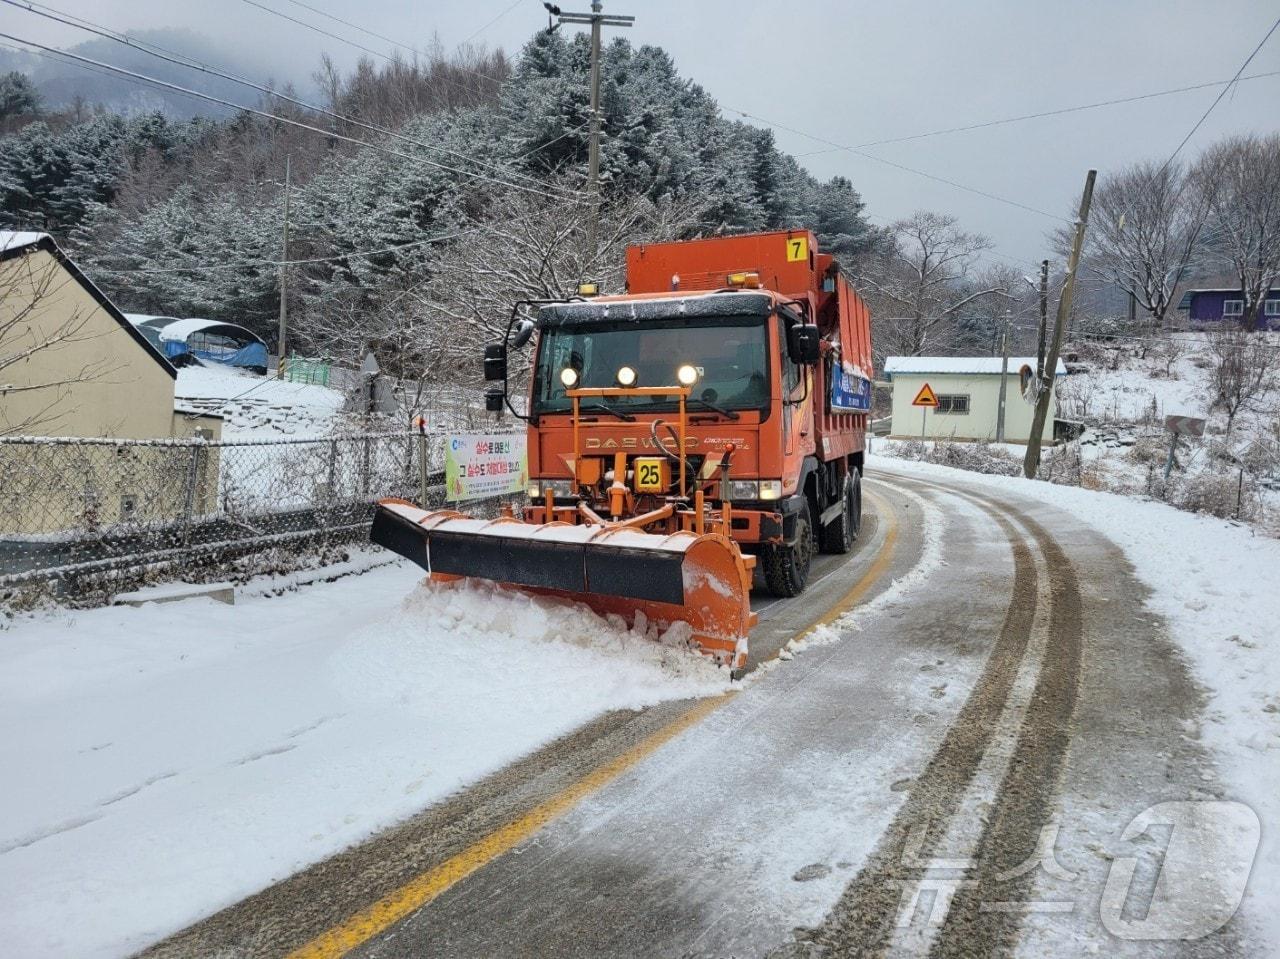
(850, 393)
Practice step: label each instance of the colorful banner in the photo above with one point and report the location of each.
(850, 393)
(477, 465)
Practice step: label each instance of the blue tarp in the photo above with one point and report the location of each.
(249, 356)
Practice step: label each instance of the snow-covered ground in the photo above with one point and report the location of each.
(1213, 582)
(260, 407)
(162, 758)
(1139, 389)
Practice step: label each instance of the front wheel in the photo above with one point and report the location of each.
(786, 568)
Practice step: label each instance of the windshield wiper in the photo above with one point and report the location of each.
(625, 417)
(731, 414)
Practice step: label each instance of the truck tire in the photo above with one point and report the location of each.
(786, 568)
(838, 535)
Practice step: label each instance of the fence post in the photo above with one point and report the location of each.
(333, 470)
(189, 498)
(422, 469)
(366, 465)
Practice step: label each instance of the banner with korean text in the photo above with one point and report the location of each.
(477, 465)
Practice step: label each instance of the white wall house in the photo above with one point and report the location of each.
(968, 390)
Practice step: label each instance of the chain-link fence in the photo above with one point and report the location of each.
(93, 514)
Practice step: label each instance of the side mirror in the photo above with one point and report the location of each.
(802, 344)
(495, 362)
(524, 330)
(493, 399)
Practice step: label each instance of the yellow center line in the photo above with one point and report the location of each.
(884, 556)
(421, 890)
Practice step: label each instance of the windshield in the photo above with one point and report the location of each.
(728, 352)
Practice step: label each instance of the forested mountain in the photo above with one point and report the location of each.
(185, 216)
(64, 84)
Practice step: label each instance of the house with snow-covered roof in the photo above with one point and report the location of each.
(72, 365)
(967, 391)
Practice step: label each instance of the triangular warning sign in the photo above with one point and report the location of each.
(926, 397)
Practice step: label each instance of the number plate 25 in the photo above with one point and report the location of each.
(652, 475)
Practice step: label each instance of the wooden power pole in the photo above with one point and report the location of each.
(1004, 376)
(1031, 465)
(1042, 332)
(596, 19)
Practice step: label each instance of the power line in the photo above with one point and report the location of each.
(214, 267)
(320, 30)
(191, 63)
(378, 36)
(1130, 200)
(1021, 261)
(490, 23)
(358, 46)
(345, 23)
(272, 116)
(385, 39)
(1049, 113)
(899, 166)
(1190, 339)
(1222, 93)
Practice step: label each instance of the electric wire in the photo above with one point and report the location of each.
(1048, 113)
(186, 91)
(193, 64)
(242, 264)
(899, 166)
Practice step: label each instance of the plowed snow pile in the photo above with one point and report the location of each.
(493, 644)
(168, 761)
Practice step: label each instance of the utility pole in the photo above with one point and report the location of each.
(595, 19)
(1004, 376)
(1031, 465)
(282, 343)
(1043, 332)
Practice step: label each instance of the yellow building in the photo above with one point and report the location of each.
(968, 392)
(71, 365)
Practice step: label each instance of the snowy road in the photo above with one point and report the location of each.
(346, 766)
(951, 776)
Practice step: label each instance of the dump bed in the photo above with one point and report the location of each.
(787, 262)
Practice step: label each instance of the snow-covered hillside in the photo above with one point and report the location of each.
(1121, 392)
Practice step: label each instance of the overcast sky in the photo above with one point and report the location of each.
(856, 72)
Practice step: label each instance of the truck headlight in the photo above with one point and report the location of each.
(562, 488)
(744, 489)
(771, 489)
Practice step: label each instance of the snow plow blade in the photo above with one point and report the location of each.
(702, 580)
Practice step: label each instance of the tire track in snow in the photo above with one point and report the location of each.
(865, 918)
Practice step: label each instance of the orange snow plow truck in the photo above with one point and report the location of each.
(710, 420)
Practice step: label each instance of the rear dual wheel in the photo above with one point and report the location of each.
(838, 536)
